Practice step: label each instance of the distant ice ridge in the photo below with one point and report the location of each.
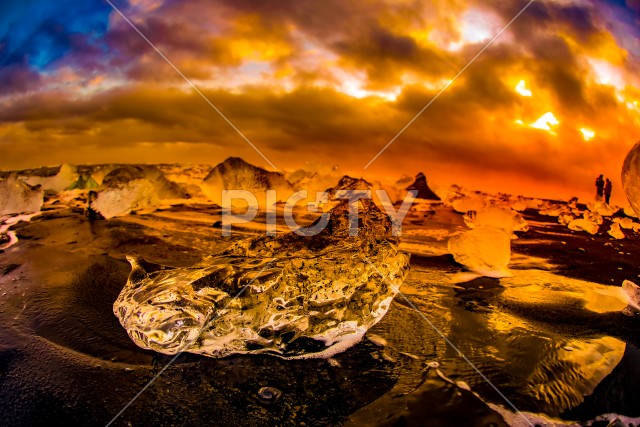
(236, 174)
(305, 296)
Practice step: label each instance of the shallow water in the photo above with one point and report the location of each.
(554, 345)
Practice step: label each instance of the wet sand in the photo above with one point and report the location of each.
(64, 358)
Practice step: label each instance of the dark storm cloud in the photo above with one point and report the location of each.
(296, 103)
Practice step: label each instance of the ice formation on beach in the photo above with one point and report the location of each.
(553, 209)
(582, 224)
(65, 177)
(123, 199)
(292, 295)
(497, 217)
(485, 251)
(17, 196)
(628, 224)
(236, 174)
(602, 208)
(594, 217)
(468, 203)
(565, 218)
(615, 231)
(163, 188)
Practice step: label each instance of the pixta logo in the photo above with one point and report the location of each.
(322, 198)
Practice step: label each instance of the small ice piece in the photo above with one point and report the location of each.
(18, 197)
(466, 204)
(552, 209)
(592, 217)
(377, 340)
(483, 250)
(582, 224)
(628, 224)
(269, 394)
(497, 217)
(602, 208)
(615, 231)
(565, 218)
(334, 362)
(121, 200)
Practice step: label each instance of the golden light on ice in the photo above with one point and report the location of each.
(547, 122)
(587, 134)
(521, 88)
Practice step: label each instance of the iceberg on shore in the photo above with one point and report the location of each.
(17, 196)
(292, 295)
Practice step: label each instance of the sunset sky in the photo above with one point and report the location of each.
(552, 103)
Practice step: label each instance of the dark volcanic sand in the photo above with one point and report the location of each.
(65, 359)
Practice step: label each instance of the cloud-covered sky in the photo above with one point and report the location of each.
(552, 103)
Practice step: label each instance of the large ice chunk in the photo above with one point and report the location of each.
(122, 200)
(582, 224)
(484, 250)
(292, 295)
(163, 188)
(18, 197)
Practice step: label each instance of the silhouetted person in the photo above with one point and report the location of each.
(599, 187)
(607, 191)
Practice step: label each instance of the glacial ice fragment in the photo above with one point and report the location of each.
(615, 231)
(290, 295)
(628, 224)
(468, 203)
(503, 218)
(121, 200)
(236, 174)
(483, 250)
(19, 197)
(582, 224)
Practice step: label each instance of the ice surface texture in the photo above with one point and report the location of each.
(485, 251)
(631, 176)
(304, 296)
